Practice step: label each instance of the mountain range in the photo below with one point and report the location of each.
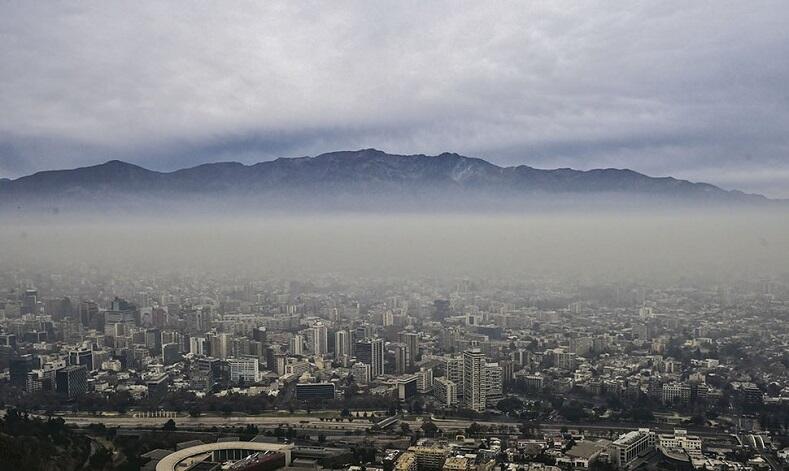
(366, 179)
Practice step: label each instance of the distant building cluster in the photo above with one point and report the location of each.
(545, 353)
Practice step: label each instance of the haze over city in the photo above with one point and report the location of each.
(394, 236)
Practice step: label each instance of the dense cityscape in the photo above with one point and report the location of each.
(390, 374)
(394, 235)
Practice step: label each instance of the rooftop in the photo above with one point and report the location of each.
(585, 449)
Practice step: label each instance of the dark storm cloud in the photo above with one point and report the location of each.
(695, 90)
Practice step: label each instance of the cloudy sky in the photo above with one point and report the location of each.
(697, 90)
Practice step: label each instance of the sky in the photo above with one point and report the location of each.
(695, 90)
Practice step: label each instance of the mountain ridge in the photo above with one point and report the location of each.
(357, 174)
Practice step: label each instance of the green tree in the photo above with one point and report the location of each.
(509, 404)
(429, 428)
(474, 429)
(573, 411)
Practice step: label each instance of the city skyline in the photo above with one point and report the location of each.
(394, 236)
(513, 366)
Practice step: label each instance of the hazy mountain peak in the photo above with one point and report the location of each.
(364, 177)
(353, 154)
(113, 166)
(116, 163)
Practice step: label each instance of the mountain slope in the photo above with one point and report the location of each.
(366, 176)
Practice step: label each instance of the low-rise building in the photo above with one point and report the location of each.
(583, 453)
(680, 441)
(429, 457)
(457, 463)
(406, 462)
(306, 391)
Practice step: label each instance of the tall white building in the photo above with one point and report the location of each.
(411, 339)
(371, 351)
(563, 359)
(493, 383)
(320, 339)
(453, 369)
(474, 391)
(424, 380)
(296, 345)
(401, 357)
(220, 346)
(342, 344)
(445, 391)
(197, 345)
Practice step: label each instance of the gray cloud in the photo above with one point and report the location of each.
(695, 90)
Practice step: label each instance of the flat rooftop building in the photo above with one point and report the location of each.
(629, 447)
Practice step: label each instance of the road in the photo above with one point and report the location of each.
(462, 424)
(758, 443)
(209, 421)
(359, 424)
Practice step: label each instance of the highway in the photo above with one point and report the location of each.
(757, 442)
(358, 424)
(462, 424)
(209, 421)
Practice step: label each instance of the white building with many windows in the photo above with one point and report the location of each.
(629, 447)
(243, 369)
(680, 441)
(474, 389)
(445, 391)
